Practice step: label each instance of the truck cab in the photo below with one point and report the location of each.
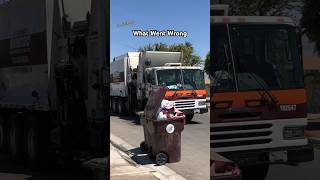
(185, 83)
(258, 98)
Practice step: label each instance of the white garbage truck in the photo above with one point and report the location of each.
(135, 73)
(52, 87)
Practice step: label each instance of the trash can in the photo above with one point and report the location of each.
(162, 138)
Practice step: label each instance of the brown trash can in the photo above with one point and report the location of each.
(162, 138)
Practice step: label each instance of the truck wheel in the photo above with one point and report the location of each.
(3, 135)
(15, 138)
(258, 172)
(113, 105)
(120, 106)
(36, 147)
(161, 158)
(189, 117)
(125, 107)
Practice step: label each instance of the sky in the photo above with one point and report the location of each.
(180, 15)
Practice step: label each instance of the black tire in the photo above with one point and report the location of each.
(258, 172)
(189, 117)
(114, 105)
(119, 106)
(143, 146)
(125, 107)
(15, 138)
(37, 143)
(162, 158)
(111, 105)
(3, 135)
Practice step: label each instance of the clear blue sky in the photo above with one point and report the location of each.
(192, 16)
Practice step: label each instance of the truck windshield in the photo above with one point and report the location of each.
(264, 56)
(183, 79)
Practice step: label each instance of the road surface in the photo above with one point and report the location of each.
(195, 143)
(305, 171)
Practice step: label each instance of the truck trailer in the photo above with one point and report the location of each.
(135, 73)
(258, 99)
(53, 93)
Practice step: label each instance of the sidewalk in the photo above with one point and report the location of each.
(137, 160)
(123, 168)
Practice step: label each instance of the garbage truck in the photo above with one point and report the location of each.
(133, 75)
(53, 92)
(258, 98)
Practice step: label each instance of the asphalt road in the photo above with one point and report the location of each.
(194, 164)
(12, 171)
(304, 171)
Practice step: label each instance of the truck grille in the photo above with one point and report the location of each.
(185, 104)
(240, 135)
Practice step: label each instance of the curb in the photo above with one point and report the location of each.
(161, 172)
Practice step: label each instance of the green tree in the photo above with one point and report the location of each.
(310, 22)
(189, 56)
(262, 7)
(207, 64)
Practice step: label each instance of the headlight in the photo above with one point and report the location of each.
(202, 103)
(293, 132)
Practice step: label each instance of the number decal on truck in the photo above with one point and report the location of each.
(290, 107)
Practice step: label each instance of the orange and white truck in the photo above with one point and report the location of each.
(258, 98)
(135, 73)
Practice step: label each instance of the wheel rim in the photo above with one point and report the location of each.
(12, 135)
(30, 144)
(162, 158)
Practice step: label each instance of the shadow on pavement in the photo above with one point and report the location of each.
(133, 118)
(192, 122)
(141, 157)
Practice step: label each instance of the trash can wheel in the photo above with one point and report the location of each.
(143, 146)
(161, 158)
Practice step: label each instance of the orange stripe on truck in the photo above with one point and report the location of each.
(291, 96)
(170, 93)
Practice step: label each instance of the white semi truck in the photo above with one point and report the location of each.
(51, 70)
(135, 73)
